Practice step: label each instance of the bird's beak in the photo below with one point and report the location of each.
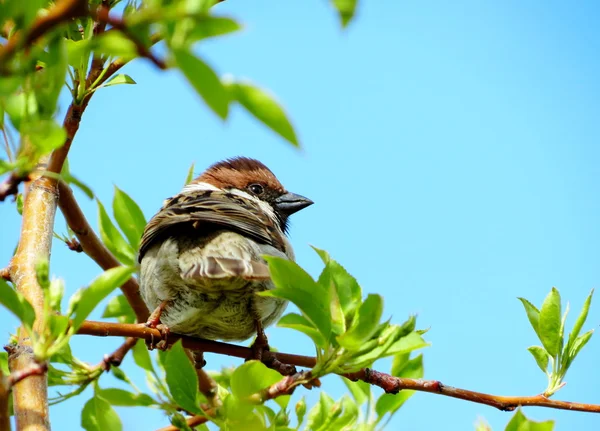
(290, 203)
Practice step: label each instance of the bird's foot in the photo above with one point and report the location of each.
(155, 323)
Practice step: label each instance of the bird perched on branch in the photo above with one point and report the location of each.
(201, 254)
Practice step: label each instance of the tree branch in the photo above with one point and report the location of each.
(388, 383)
(102, 15)
(95, 249)
(192, 421)
(63, 11)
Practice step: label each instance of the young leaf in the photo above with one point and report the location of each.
(250, 377)
(119, 79)
(119, 307)
(533, 314)
(520, 422)
(365, 323)
(129, 216)
(580, 320)
(182, 379)
(296, 285)
(579, 343)
(389, 403)
(115, 44)
(46, 135)
(141, 356)
(121, 397)
(204, 80)
(346, 10)
(302, 324)
(348, 289)
(541, 357)
(264, 108)
(112, 238)
(360, 390)
(98, 415)
(190, 174)
(99, 289)
(17, 304)
(212, 26)
(549, 323)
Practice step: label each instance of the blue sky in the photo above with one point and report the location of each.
(452, 151)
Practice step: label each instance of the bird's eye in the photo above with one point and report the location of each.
(257, 189)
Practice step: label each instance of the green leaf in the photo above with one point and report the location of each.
(46, 136)
(4, 364)
(264, 108)
(99, 289)
(113, 239)
(579, 343)
(580, 320)
(520, 422)
(16, 303)
(549, 323)
(121, 397)
(250, 377)
(541, 357)
(182, 379)
(141, 356)
(533, 314)
(70, 179)
(129, 216)
(406, 368)
(115, 44)
(204, 80)
(98, 415)
(360, 390)
(212, 26)
(119, 307)
(407, 344)
(296, 285)
(77, 51)
(119, 79)
(346, 10)
(190, 174)
(365, 323)
(302, 324)
(348, 289)
(319, 413)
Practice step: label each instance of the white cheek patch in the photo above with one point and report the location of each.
(198, 187)
(268, 209)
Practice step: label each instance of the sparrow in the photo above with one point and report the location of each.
(201, 255)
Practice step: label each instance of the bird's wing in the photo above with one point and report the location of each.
(204, 211)
(224, 267)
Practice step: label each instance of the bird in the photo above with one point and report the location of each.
(201, 255)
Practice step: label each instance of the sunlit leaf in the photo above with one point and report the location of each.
(296, 285)
(541, 357)
(549, 323)
(264, 108)
(16, 303)
(98, 415)
(250, 377)
(182, 379)
(99, 289)
(112, 238)
(129, 216)
(204, 80)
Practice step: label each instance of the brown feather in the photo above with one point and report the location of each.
(238, 173)
(199, 212)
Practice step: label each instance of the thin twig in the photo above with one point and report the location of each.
(192, 421)
(387, 382)
(10, 186)
(116, 357)
(102, 15)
